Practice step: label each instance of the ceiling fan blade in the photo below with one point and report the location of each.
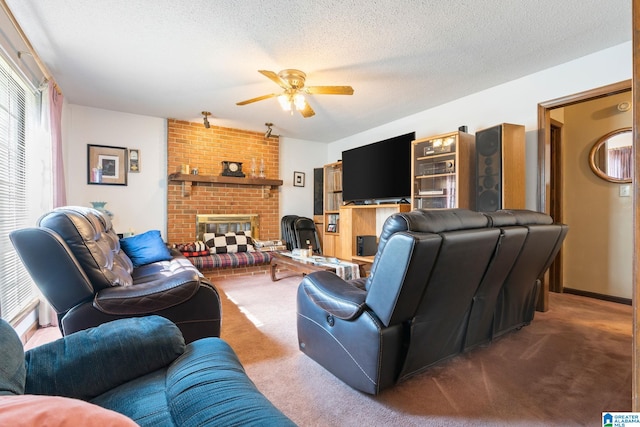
(276, 78)
(307, 111)
(259, 98)
(329, 90)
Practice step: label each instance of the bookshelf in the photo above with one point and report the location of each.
(332, 203)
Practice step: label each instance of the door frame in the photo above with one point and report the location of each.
(550, 172)
(635, 352)
(544, 134)
(556, 180)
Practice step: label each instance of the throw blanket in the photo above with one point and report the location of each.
(192, 249)
(240, 259)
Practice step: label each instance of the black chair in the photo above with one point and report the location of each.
(287, 231)
(300, 232)
(306, 234)
(75, 259)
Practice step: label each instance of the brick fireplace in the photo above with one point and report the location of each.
(193, 144)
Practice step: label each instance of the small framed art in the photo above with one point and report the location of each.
(134, 160)
(106, 165)
(298, 179)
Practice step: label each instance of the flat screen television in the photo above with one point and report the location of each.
(378, 171)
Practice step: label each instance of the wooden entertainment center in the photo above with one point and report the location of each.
(343, 224)
(443, 167)
(443, 175)
(363, 220)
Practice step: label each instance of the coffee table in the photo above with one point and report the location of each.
(305, 266)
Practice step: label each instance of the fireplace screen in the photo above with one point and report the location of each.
(224, 223)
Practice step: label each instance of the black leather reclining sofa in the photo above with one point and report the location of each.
(442, 282)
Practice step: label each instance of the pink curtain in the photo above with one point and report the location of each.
(620, 164)
(55, 115)
(46, 314)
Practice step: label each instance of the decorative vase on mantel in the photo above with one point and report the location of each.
(99, 206)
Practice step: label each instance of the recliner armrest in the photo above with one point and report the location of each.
(150, 296)
(334, 295)
(88, 363)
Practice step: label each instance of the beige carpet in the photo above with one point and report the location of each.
(569, 365)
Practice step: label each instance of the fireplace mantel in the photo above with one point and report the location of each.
(190, 179)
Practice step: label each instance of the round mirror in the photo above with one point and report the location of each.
(611, 157)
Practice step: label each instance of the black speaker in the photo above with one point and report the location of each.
(318, 183)
(366, 245)
(500, 174)
(489, 169)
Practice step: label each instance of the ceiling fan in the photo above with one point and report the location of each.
(292, 99)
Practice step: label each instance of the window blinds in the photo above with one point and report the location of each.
(17, 108)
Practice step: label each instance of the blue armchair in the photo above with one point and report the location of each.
(141, 368)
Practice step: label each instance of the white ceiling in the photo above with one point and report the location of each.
(176, 58)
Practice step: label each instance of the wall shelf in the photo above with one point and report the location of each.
(188, 180)
(332, 193)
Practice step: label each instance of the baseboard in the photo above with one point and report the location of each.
(29, 333)
(620, 300)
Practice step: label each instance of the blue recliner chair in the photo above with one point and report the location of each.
(141, 368)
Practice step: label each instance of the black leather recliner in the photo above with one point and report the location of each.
(74, 257)
(442, 282)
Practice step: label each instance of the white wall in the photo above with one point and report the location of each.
(142, 204)
(513, 102)
(299, 156)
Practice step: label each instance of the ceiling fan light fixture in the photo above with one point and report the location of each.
(293, 99)
(292, 102)
(299, 101)
(285, 102)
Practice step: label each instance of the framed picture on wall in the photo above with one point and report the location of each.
(298, 179)
(106, 165)
(134, 160)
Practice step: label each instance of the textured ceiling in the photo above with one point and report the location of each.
(175, 58)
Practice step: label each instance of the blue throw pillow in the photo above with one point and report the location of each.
(145, 248)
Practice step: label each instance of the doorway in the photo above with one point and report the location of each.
(555, 202)
(550, 170)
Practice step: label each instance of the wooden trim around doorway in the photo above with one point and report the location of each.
(635, 352)
(544, 135)
(550, 193)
